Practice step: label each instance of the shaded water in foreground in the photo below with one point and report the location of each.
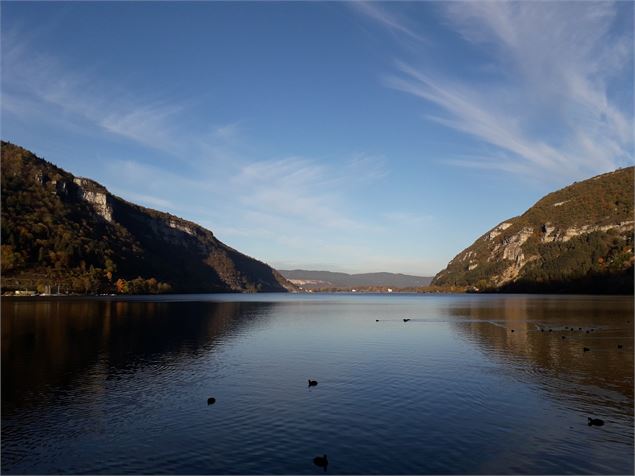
(112, 386)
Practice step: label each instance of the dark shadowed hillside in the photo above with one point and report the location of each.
(578, 239)
(58, 229)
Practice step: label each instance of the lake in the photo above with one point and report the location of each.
(120, 385)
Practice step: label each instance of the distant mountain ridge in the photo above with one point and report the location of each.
(317, 279)
(58, 229)
(576, 240)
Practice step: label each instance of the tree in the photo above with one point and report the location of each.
(8, 258)
(122, 286)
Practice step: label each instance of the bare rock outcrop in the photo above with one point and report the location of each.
(583, 230)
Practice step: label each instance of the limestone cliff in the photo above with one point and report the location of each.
(66, 230)
(578, 239)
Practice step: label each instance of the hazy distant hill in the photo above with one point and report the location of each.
(321, 279)
(578, 239)
(61, 229)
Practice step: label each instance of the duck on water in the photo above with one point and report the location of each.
(321, 461)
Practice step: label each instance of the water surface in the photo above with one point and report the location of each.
(121, 386)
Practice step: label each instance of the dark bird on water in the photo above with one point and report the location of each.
(406, 320)
(312, 383)
(619, 346)
(550, 330)
(321, 461)
(512, 330)
(211, 401)
(376, 320)
(595, 422)
(564, 337)
(586, 349)
(542, 330)
(579, 328)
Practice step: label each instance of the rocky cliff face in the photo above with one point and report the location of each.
(57, 228)
(96, 195)
(579, 238)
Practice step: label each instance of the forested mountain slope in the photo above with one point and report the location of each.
(58, 229)
(577, 239)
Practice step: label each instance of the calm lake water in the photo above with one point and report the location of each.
(107, 385)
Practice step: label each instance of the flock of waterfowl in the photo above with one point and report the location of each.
(323, 462)
(591, 421)
(572, 329)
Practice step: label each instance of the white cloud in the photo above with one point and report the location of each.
(288, 191)
(470, 110)
(389, 20)
(547, 106)
(304, 189)
(37, 86)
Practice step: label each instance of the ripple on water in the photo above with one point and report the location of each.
(451, 391)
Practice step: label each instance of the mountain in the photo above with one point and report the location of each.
(58, 229)
(578, 239)
(327, 279)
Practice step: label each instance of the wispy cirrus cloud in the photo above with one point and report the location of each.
(554, 102)
(275, 207)
(40, 86)
(390, 20)
(305, 189)
(285, 191)
(297, 205)
(471, 111)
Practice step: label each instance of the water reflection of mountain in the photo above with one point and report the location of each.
(559, 365)
(50, 345)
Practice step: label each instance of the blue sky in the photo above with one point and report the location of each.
(349, 137)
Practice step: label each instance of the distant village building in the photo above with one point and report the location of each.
(25, 292)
